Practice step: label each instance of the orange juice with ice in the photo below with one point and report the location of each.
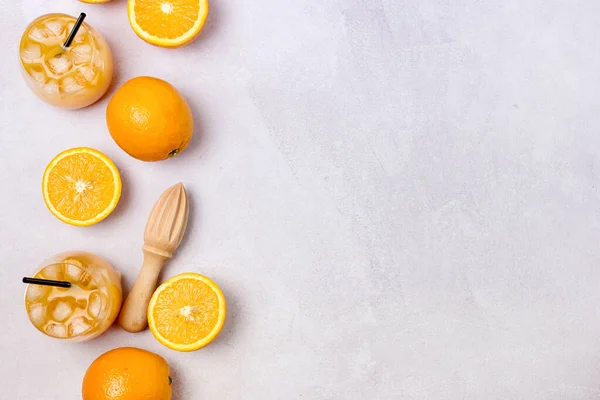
(83, 311)
(72, 77)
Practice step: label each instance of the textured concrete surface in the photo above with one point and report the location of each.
(400, 199)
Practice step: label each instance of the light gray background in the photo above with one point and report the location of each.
(399, 198)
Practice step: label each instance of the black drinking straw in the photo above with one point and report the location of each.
(74, 30)
(47, 282)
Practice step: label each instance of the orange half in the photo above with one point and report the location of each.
(81, 186)
(167, 23)
(186, 312)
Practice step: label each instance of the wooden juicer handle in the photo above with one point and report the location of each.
(164, 232)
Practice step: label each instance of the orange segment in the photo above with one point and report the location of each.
(167, 23)
(187, 312)
(81, 186)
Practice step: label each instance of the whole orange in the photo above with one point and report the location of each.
(127, 373)
(149, 119)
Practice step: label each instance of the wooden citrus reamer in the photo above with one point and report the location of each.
(164, 230)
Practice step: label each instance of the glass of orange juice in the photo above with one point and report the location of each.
(84, 310)
(67, 77)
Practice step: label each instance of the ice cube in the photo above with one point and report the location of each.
(81, 33)
(82, 303)
(98, 62)
(56, 330)
(39, 34)
(73, 268)
(61, 310)
(59, 64)
(80, 78)
(70, 85)
(84, 75)
(37, 313)
(51, 87)
(31, 53)
(38, 74)
(54, 271)
(95, 302)
(85, 280)
(37, 292)
(81, 54)
(56, 27)
(78, 326)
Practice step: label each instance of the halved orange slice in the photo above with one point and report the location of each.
(81, 186)
(186, 312)
(167, 23)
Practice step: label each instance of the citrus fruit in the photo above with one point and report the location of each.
(149, 119)
(186, 312)
(127, 373)
(81, 186)
(167, 23)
